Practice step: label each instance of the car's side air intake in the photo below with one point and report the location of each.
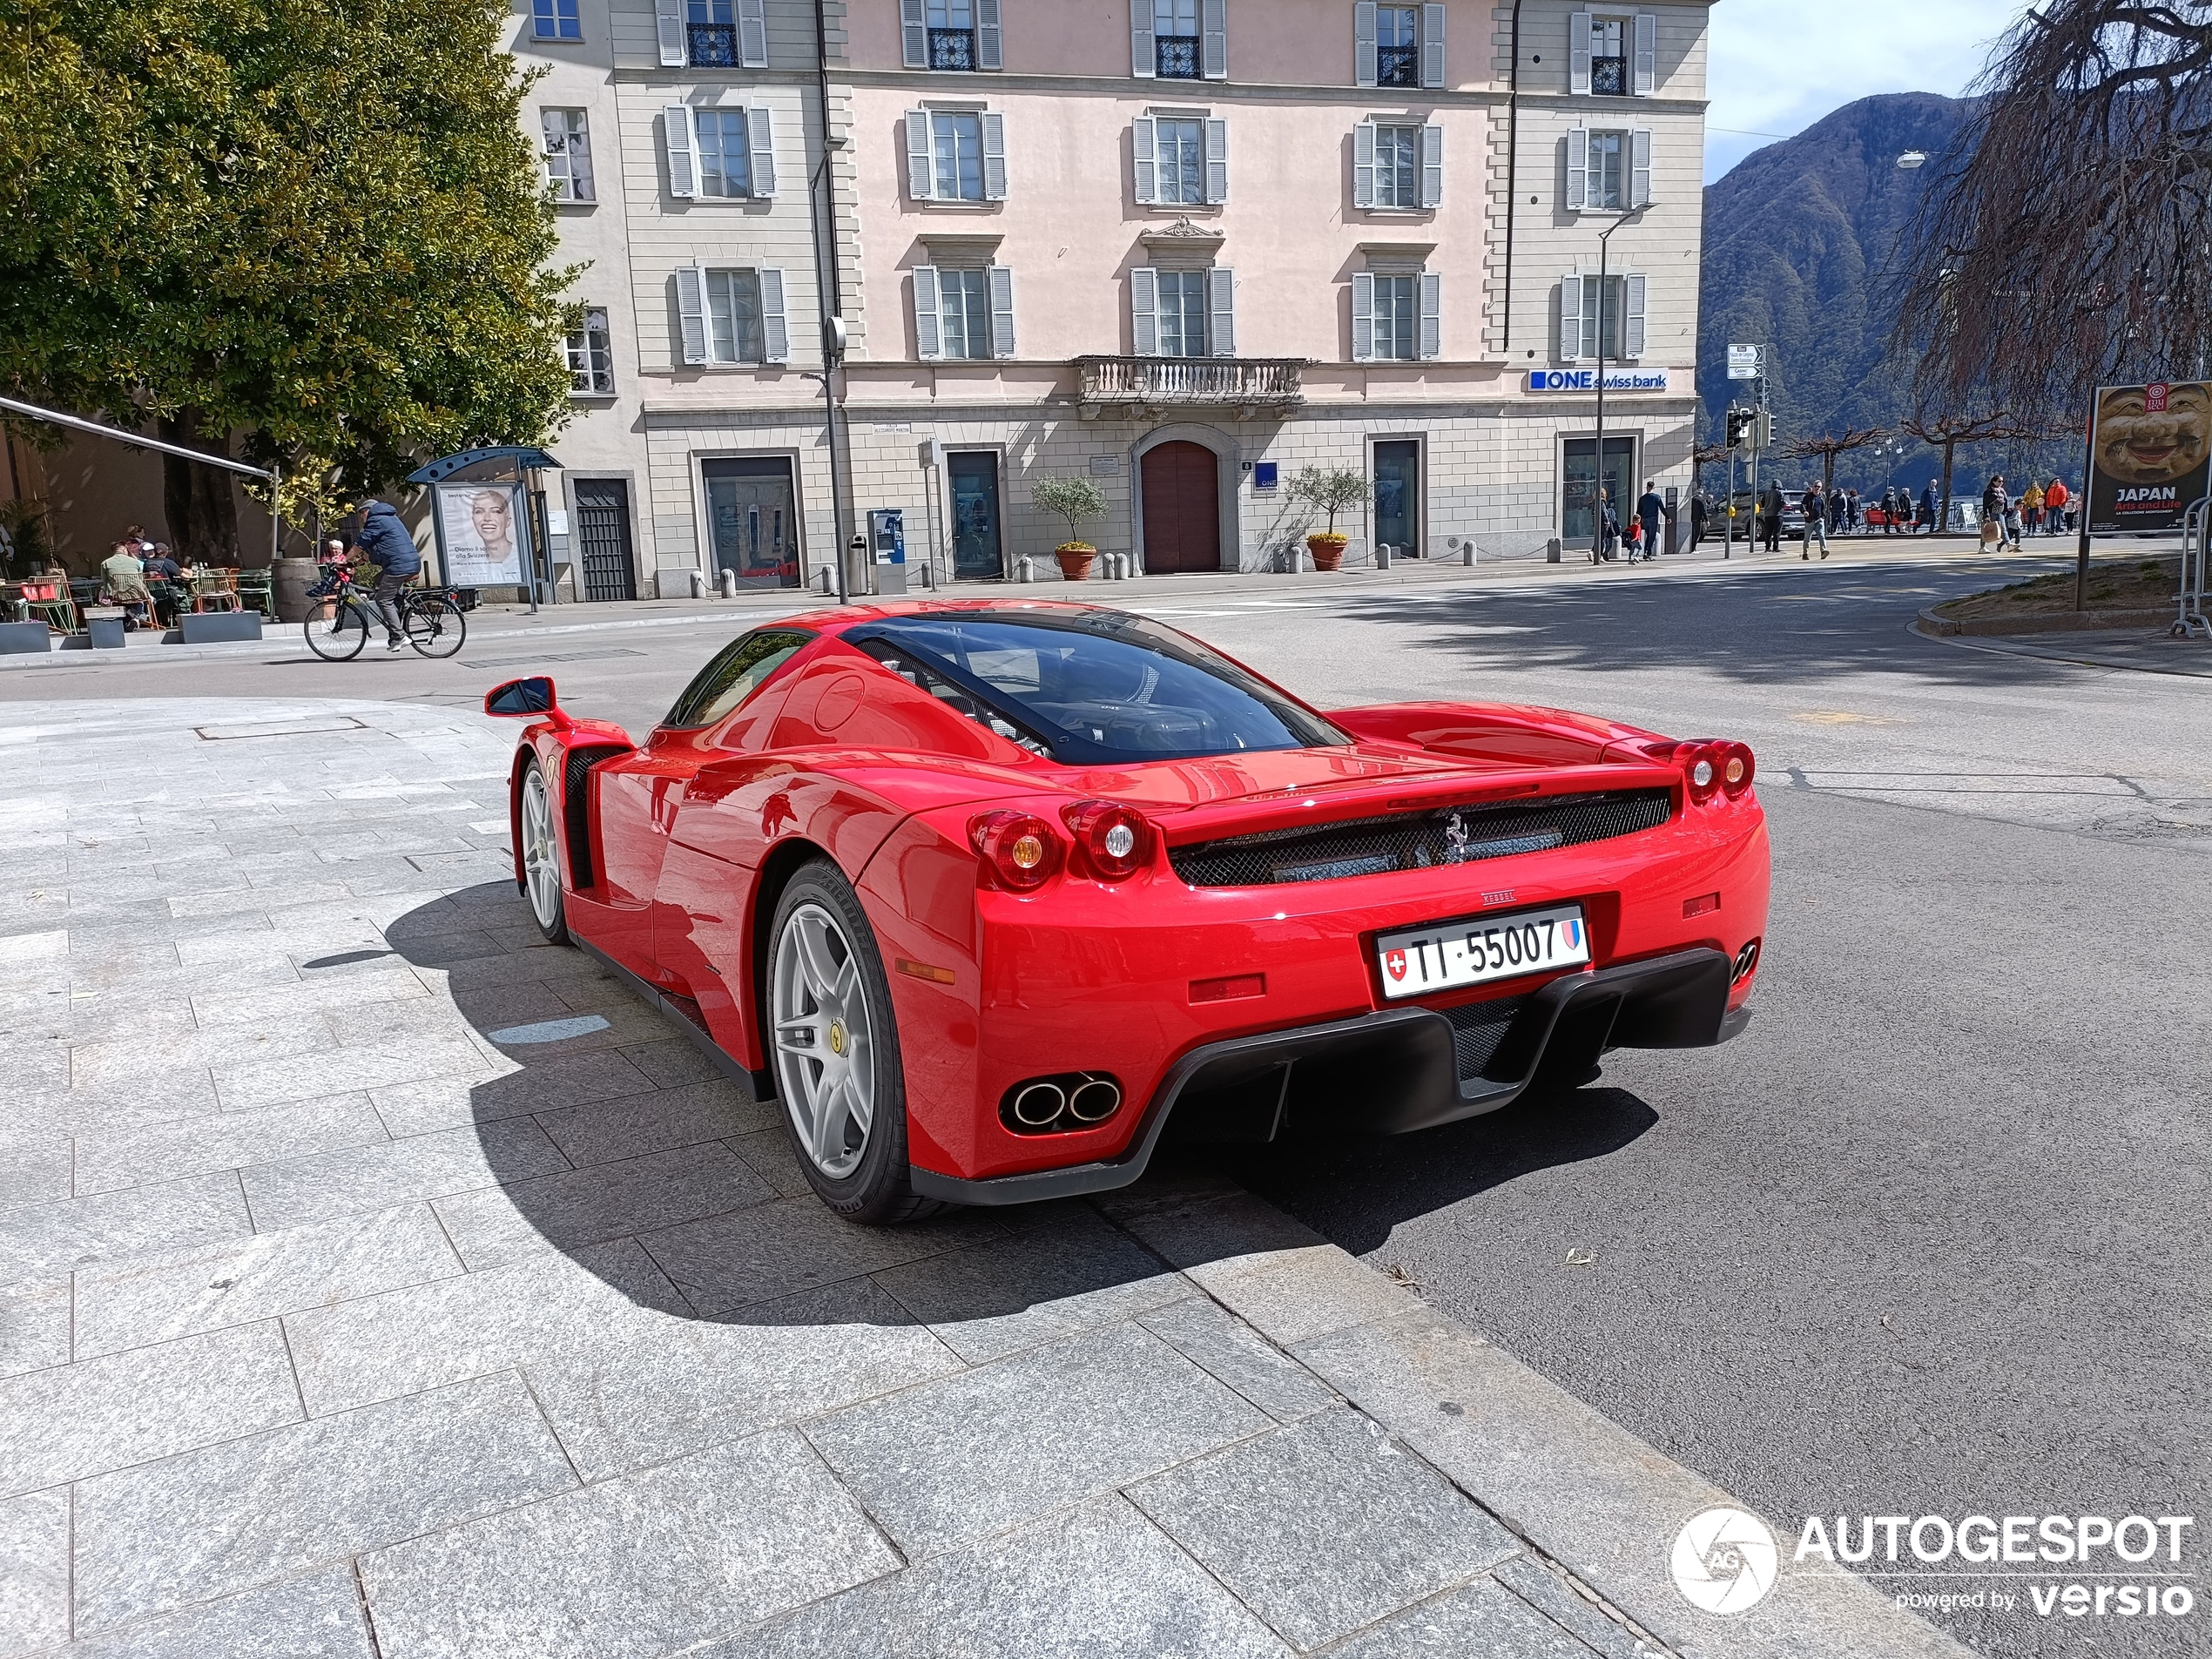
(1419, 841)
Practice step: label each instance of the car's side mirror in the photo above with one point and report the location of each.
(522, 699)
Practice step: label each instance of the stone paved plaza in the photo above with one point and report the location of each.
(375, 1279)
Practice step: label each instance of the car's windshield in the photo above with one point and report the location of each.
(1104, 687)
(738, 671)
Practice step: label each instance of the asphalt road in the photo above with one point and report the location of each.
(1931, 1237)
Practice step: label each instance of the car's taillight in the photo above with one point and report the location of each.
(1116, 841)
(1021, 851)
(1715, 767)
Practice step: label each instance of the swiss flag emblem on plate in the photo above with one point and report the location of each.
(1395, 963)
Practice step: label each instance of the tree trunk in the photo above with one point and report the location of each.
(196, 499)
(1943, 511)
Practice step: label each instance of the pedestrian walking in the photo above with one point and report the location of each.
(2055, 497)
(1651, 513)
(2032, 507)
(1928, 515)
(1770, 520)
(1993, 504)
(383, 541)
(1816, 510)
(1700, 512)
(1888, 509)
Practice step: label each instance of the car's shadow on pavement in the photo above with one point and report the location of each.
(613, 1140)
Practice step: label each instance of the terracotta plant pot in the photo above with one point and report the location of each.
(1327, 550)
(1075, 560)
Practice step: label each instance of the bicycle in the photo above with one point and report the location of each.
(338, 623)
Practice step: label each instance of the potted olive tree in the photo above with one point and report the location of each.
(1330, 490)
(1074, 499)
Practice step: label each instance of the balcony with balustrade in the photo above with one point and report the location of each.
(1243, 387)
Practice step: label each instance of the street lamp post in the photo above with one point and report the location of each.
(1604, 251)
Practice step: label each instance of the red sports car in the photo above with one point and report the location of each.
(996, 894)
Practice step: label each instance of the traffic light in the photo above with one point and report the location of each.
(1763, 430)
(1737, 421)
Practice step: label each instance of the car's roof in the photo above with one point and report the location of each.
(836, 619)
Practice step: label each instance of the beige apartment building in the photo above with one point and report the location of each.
(1185, 247)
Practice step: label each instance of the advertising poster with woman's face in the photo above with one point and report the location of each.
(483, 542)
(2151, 457)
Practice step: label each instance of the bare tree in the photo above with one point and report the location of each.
(2060, 243)
(1950, 432)
(1827, 447)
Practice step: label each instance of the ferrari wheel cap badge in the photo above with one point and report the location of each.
(837, 1037)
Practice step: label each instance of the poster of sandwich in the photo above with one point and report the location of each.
(2150, 455)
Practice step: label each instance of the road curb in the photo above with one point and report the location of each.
(1578, 1487)
(2072, 622)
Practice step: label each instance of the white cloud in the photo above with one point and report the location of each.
(1779, 65)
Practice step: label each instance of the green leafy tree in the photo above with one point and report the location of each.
(1076, 499)
(311, 232)
(1331, 490)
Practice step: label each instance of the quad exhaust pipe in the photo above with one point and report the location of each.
(1057, 1104)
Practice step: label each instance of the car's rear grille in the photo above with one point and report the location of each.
(1419, 840)
(1477, 1029)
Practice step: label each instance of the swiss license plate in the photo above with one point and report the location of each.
(1446, 955)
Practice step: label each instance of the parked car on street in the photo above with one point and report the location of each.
(997, 895)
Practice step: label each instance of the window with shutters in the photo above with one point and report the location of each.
(1398, 166)
(725, 155)
(556, 20)
(568, 154)
(1398, 46)
(1183, 161)
(964, 307)
(956, 151)
(1176, 39)
(1606, 171)
(591, 358)
(1609, 39)
(711, 27)
(952, 34)
(1398, 317)
(1622, 317)
(733, 330)
(1183, 303)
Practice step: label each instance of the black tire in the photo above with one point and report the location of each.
(819, 900)
(336, 629)
(539, 853)
(434, 628)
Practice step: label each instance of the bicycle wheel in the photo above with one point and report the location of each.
(336, 629)
(434, 628)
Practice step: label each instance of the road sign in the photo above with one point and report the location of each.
(1743, 363)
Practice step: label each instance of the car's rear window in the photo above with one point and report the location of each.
(1102, 688)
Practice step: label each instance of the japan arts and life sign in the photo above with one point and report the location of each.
(2150, 454)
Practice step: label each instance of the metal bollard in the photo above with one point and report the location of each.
(1024, 571)
(1552, 551)
(1382, 555)
(729, 584)
(698, 584)
(1467, 552)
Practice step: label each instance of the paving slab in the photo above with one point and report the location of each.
(606, 1201)
(39, 1239)
(34, 1571)
(633, 1567)
(134, 1156)
(409, 1170)
(1335, 1488)
(316, 1615)
(1483, 1617)
(954, 1460)
(317, 1492)
(1099, 1581)
(34, 1325)
(1222, 1344)
(633, 1125)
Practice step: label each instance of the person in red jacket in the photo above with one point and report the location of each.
(2055, 497)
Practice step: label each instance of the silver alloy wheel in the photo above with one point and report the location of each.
(824, 1047)
(540, 856)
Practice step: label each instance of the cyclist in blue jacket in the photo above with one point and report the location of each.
(384, 543)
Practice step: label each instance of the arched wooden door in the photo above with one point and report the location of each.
(1182, 508)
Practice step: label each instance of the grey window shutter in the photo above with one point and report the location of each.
(752, 33)
(928, 329)
(691, 313)
(1363, 165)
(1431, 284)
(1367, 72)
(1213, 44)
(1144, 158)
(1143, 53)
(683, 156)
(760, 133)
(775, 333)
(914, 34)
(1002, 285)
(1432, 166)
(1570, 318)
(1221, 293)
(1363, 316)
(1144, 310)
(1432, 45)
(1632, 331)
(1647, 60)
(993, 156)
(668, 17)
(1639, 177)
(921, 167)
(1578, 168)
(1578, 53)
(989, 53)
(1217, 161)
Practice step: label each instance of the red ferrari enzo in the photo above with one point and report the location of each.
(995, 894)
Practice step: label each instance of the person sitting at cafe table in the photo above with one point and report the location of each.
(127, 582)
(164, 581)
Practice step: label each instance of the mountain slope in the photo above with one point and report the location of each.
(1799, 241)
